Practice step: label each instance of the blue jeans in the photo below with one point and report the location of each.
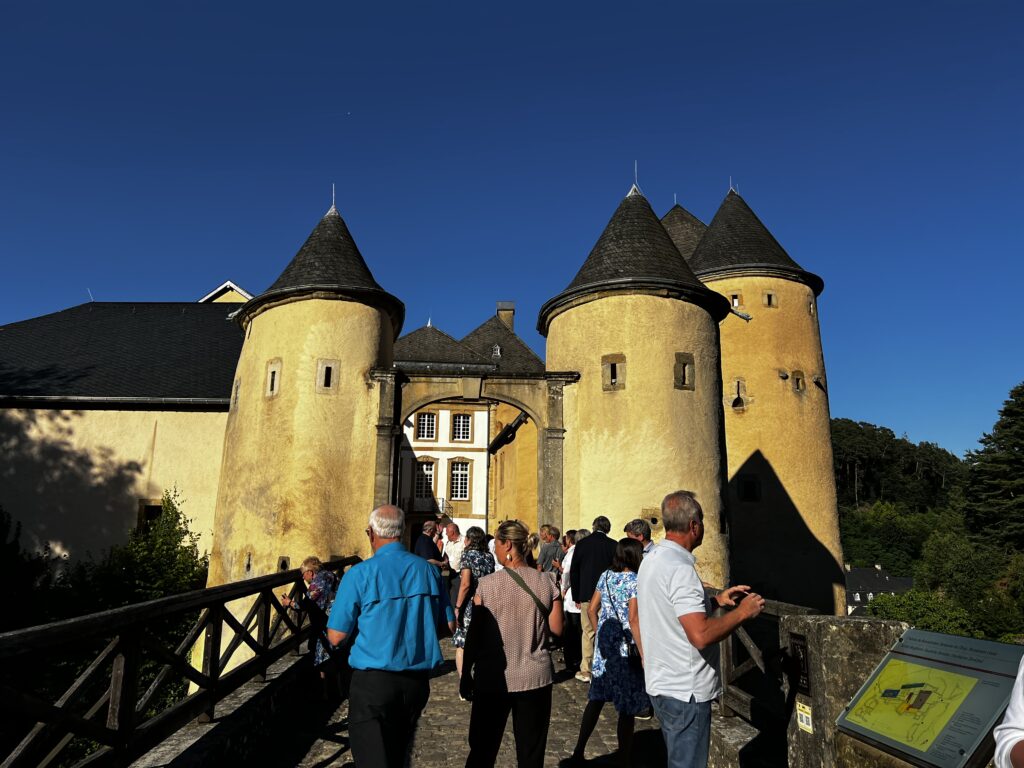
(686, 726)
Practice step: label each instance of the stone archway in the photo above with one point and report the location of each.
(539, 397)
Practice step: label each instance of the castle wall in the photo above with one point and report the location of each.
(299, 464)
(781, 494)
(630, 442)
(514, 473)
(75, 478)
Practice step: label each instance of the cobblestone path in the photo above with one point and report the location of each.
(322, 740)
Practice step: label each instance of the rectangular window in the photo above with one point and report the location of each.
(426, 426)
(424, 479)
(685, 377)
(771, 300)
(613, 372)
(736, 299)
(462, 426)
(273, 378)
(460, 481)
(327, 376)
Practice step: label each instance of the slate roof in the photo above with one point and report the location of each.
(737, 240)
(127, 351)
(684, 228)
(516, 356)
(330, 261)
(634, 251)
(431, 347)
(875, 580)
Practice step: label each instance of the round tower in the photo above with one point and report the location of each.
(301, 446)
(784, 521)
(645, 417)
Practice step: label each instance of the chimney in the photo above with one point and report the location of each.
(507, 313)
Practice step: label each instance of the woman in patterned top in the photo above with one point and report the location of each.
(477, 562)
(321, 587)
(613, 677)
(508, 659)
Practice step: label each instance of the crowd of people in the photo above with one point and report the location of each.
(633, 618)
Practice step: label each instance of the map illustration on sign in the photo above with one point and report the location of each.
(910, 703)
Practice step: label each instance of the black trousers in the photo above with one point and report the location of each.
(382, 715)
(572, 639)
(531, 713)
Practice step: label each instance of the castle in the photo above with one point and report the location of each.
(680, 356)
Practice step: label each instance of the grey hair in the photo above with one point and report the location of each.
(581, 533)
(639, 528)
(429, 527)
(602, 524)
(679, 509)
(388, 522)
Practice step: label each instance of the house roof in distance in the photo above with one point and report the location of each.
(502, 347)
(737, 241)
(684, 228)
(330, 262)
(223, 293)
(431, 349)
(123, 352)
(633, 252)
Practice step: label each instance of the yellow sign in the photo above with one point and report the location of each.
(803, 717)
(911, 704)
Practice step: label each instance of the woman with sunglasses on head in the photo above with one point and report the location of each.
(507, 664)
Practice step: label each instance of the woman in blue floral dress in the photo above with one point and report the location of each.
(321, 587)
(613, 677)
(477, 562)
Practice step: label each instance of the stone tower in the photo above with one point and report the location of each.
(784, 524)
(302, 448)
(645, 417)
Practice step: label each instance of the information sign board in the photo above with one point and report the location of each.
(934, 698)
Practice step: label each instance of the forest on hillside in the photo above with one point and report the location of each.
(956, 526)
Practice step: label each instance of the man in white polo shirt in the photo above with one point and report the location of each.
(679, 634)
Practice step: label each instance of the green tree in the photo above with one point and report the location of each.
(925, 610)
(995, 479)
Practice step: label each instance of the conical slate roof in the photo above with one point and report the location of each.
(684, 228)
(633, 252)
(328, 259)
(737, 241)
(330, 262)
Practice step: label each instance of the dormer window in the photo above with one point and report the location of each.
(496, 350)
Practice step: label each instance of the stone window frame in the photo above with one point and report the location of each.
(770, 299)
(432, 462)
(453, 416)
(735, 298)
(799, 381)
(469, 478)
(323, 365)
(417, 434)
(684, 372)
(272, 386)
(613, 364)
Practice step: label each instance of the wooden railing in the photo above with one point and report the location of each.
(104, 715)
(754, 665)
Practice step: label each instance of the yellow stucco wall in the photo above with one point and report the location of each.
(514, 473)
(230, 296)
(74, 478)
(298, 470)
(786, 544)
(626, 449)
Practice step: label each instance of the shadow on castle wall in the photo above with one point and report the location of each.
(771, 548)
(76, 501)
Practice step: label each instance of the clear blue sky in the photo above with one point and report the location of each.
(151, 151)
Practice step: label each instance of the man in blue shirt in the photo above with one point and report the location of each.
(396, 601)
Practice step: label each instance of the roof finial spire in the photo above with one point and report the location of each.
(332, 194)
(428, 322)
(636, 174)
(635, 189)
(675, 200)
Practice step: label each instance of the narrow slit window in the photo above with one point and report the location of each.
(739, 402)
(273, 378)
(326, 380)
(799, 383)
(328, 370)
(736, 299)
(685, 376)
(613, 372)
(771, 300)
